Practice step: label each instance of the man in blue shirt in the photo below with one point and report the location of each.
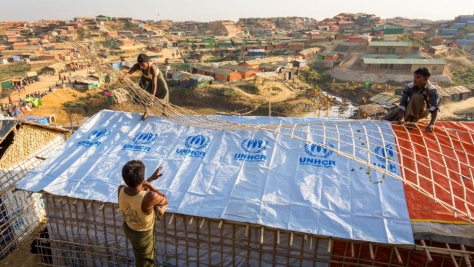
(419, 98)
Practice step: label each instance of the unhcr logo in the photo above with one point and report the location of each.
(94, 137)
(318, 153)
(254, 145)
(318, 150)
(140, 141)
(385, 155)
(197, 141)
(253, 148)
(98, 134)
(193, 146)
(145, 138)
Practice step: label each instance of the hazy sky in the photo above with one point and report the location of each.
(208, 10)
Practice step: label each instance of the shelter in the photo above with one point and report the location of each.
(7, 84)
(387, 47)
(436, 66)
(85, 83)
(197, 80)
(266, 67)
(43, 120)
(387, 30)
(453, 93)
(35, 102)
(216, 73)
(245, 72)
(181, 78)
(32, 76)
(310, 52)
(372, 111)
(252, 196)
(328, 55)
(54, 68)
(24, 145)
(386, 100)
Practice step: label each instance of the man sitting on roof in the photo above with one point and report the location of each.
(419, 98)
(152, 79)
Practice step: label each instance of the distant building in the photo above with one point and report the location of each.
(360, 38)
(328, 55)
(83, 19)
(310, 52)
(387, 29)
(418, 34)
(459, 25)
(245, 72)
(465, 18)
(454, 94)
(217, 73)
(437, 41)
(389, 48)
(102, 18)
(449, 31)
(436, 66)
(438, 49)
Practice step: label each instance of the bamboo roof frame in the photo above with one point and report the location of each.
(264, 245)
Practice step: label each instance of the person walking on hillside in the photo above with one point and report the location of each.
(139, 203)
(152, 79)
(419, 98)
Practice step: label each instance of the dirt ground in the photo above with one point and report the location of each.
(21, 256)
(456, 110)
(52, 103)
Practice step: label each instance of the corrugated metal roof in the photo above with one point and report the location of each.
(369, 56)
(390, 56)
(382, 27)
(389, 43)
(384, 99)
(236, 67)
(269, 66)
(453, 90)
(213, 70)
(413, 56)
(310, 50)
(372, 109)
(428, 61)
(328, 53)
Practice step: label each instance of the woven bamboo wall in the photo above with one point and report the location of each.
(21, 212)
(84, 233)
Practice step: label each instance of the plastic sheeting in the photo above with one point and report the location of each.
(246, 176)
(6, 126)
(445, 158)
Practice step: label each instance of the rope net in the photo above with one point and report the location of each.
(438, 165)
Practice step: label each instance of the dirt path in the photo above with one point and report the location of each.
(41, 86)
(53, 102)
(276, 91)
(463, 60)
(456, 110)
